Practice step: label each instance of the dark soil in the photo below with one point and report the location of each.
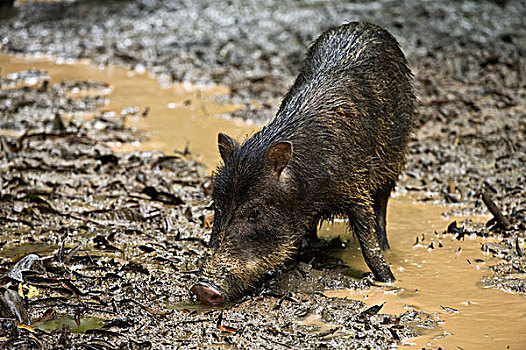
(119, 236)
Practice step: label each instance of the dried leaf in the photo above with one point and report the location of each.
(12, 306)
(23, 265)
(226, 329)
(373, 310)
(25, 326)
(31, 291)
(155, 312)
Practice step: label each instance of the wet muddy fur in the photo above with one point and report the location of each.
(335, 148)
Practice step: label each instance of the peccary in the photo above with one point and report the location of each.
(335, 148)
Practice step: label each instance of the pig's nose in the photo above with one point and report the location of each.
(208, 295)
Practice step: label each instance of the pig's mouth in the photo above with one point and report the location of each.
(208, 293)
(221, 282)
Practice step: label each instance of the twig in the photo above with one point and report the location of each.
(492, 207)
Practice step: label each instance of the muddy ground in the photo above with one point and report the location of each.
(118, 237)
(112, 242)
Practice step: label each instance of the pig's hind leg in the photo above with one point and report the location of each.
(380, 199)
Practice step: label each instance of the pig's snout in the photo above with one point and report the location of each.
(208, 295)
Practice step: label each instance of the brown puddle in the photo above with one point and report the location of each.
(180, 115)
(443, 280)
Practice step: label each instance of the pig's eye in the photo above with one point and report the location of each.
(254, 214)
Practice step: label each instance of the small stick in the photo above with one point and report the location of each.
(492, 207)
(517, 248)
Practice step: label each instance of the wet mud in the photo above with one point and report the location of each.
(176, 116)
(97, 243)
(105, 178)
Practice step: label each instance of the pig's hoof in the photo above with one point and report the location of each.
(386, 277)
(208, 295)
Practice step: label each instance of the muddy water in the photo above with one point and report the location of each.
(439, 280)
(443, 280)
(180, 116)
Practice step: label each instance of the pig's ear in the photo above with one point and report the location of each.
(279, 155)
(227, 146)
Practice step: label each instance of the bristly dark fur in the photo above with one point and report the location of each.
(348, 118)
